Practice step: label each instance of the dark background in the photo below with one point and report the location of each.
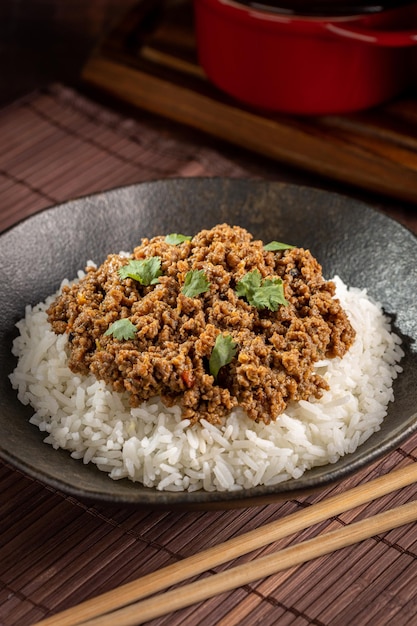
(47, 40)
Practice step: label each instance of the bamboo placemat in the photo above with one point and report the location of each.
(56, 551)
(150, 61)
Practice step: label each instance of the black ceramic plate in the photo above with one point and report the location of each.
(364, 247)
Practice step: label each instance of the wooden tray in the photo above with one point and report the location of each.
(150, 61)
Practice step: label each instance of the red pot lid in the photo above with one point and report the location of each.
(327, 8)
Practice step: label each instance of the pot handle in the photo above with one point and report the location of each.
(385, 38)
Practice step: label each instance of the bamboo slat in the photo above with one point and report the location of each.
(93, 611)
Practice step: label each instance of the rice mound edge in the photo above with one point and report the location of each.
(153, 445)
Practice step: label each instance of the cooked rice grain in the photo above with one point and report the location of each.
(151, 444)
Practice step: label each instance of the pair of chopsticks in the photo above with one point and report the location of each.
(125, 606)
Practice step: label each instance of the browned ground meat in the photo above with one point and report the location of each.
(175, 334)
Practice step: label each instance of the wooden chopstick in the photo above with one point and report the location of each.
(176, 599)
(231, 549)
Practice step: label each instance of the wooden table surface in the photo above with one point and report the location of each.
(63, 140)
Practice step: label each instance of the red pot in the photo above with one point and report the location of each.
(302, 64)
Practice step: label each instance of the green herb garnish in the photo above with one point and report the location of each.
(144, 271)
(273, 246)
(223, 352)
(195, 283)
(122, 329)
(175, 239)
(261, 293)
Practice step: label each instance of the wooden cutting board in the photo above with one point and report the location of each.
(150, 61)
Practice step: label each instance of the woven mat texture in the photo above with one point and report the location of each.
(54, 550)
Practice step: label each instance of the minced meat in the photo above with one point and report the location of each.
(174, 336)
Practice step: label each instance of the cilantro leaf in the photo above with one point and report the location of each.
(223, 352)
(250, 283)
(273, 246)
(270, 295)
(175, 238)
(122, 329)
(144, 271)
(261, 293)
(195, 283)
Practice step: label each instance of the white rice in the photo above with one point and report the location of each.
(154, 446)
